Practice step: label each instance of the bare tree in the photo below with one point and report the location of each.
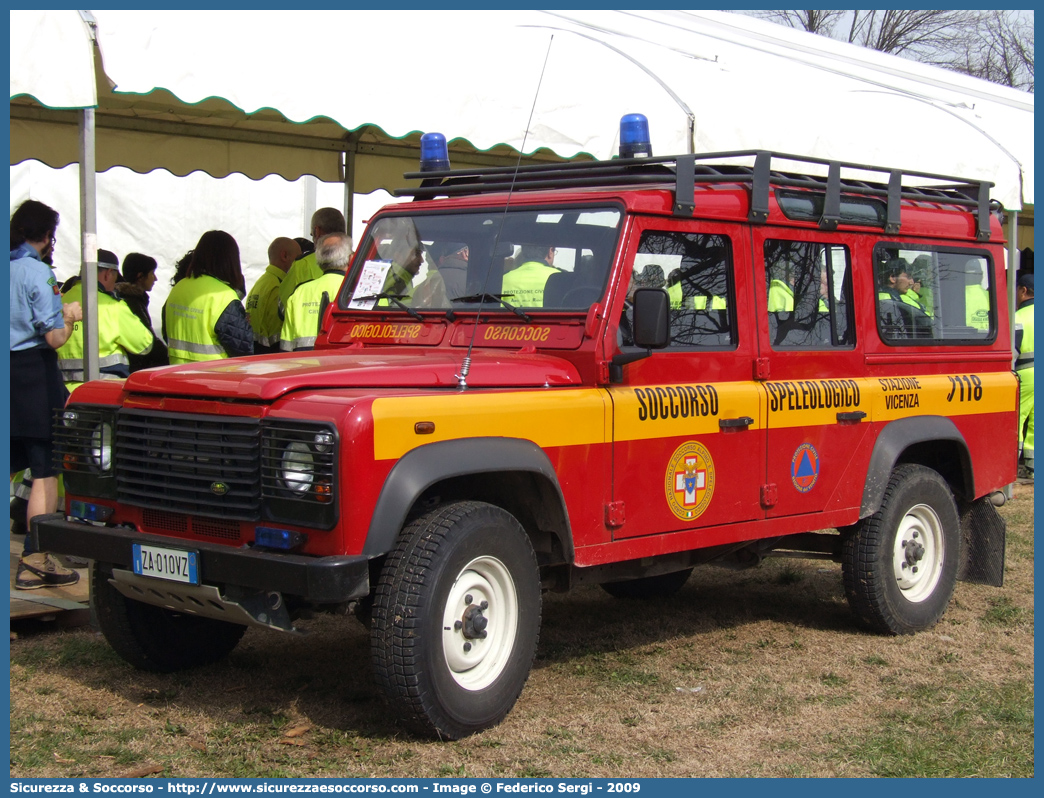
(994, 45)
(910, 32)
(1002, 52)
(816, 21)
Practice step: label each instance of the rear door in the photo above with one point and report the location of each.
(818, 420)
(688, 429)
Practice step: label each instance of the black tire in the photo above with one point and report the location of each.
(439, 677)
(156, 639)
(900, 564)
(648, 587)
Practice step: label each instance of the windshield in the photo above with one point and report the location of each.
(546, 259)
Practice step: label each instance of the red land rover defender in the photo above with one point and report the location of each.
(605, 372)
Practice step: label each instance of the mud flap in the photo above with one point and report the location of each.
(982, 544)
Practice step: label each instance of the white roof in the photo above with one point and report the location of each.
(708, 81)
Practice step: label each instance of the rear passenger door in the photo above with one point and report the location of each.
(817, 418)
(688, 436)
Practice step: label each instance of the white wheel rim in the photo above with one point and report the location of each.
(918, 552)
(474, 661)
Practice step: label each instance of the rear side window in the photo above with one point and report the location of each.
(809, 295)
(941, 295)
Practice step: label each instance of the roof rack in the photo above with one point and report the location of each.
(685, 171)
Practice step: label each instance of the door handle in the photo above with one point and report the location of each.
(732, 423)
(852, 415)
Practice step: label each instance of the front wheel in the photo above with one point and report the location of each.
(456, 619)
(156, 639)
(900, 564)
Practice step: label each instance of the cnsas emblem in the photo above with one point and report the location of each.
(689, 483)
(804, 467)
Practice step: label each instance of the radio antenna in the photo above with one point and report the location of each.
(465, 366)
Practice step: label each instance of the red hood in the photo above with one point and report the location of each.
(269, 377)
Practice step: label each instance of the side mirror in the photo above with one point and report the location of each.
(652, 324)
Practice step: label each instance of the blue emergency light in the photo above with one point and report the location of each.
(634, 137)
(89, 512)
(434, 152)
(273, 538)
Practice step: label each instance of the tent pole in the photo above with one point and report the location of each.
(89, 246)
(348, 173)
(1013, 269)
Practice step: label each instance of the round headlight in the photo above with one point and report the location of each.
(297, 467)
(101, 447)
(70, 417)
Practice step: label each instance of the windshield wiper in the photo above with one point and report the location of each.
(396, 298)
(494, 298)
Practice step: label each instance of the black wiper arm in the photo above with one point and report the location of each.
(396, 298)
(499, 298)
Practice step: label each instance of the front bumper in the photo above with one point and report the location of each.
(322, 580)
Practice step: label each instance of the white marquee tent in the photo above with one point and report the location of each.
(225, 93)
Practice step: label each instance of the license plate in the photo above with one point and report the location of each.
(170, 564)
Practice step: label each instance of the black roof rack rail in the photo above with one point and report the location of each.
(685, 171)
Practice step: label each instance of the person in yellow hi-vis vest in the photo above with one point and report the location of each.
(524, 285)
(324, 221)
(204, 318)
(120, 332)
(697, 302)
(303, 309)
(976, 298)
(262, 303)
(1024, 366)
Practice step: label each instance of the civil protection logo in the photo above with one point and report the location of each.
(689, 482)
(804, 467)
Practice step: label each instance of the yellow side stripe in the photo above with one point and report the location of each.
(547, 417)
(579, 417)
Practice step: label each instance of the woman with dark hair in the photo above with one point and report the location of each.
(40, 324)
(181, 267)
(139, 273)
(204, 318)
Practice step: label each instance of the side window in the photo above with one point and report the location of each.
(941, 295)
(696, 271)
(809, 295)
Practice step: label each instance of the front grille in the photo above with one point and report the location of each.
(197, 465)
(162, 521)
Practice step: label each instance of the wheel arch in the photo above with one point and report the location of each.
(511, 473)
(932, 441)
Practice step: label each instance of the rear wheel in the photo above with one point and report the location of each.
(900, 564)
(648, 587)
(456, 619)
(156, 639)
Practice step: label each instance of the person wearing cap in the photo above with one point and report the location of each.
(262, 303)
(120, 332)
(324, 222)
(1024, 366)
(524, 284)
(304, 307)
